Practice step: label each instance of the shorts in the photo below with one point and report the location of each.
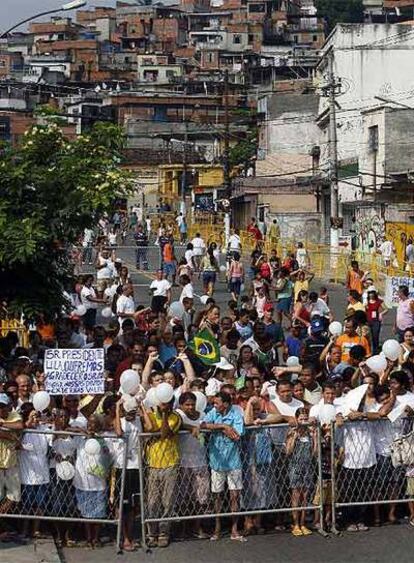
(283, 305)
(169, 268)
(34, 497)
(102, 284)
(158, 303)
(326, 493)
(10, 484)
(194, 488)
(235, 285)
(410, 487)
(233, 478)
(209, 277)
(131, 489)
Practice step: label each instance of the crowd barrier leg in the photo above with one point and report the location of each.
(121, 499)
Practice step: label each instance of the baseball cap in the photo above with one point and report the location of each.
(268, 307)
(316, 326)
(4, 399)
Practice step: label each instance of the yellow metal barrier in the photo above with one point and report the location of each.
(13, 325)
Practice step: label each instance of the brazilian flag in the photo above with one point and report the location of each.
(205, 347)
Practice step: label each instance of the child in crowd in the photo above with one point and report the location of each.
(301, 447)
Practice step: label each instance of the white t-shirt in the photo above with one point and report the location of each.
(131, 428)
(83, 479)
(199, 246)
(192, 452)
(108, 271)
(124, 305)
(386, 249)
(319, 308)
(301, 256)
(188, 291)
(160, 287)
(112, 238)
(234, 243)
(189, 257)
(88, 292)
(33, 460)
(359, 443)
(87, 237)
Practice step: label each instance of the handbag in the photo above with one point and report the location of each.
(402, 450)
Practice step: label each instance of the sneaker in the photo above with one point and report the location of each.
(362, 527)
(163, 541)
(352, 528)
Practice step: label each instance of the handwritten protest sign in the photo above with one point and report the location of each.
(392, 284)
(74, 372)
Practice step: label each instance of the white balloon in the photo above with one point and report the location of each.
(130, 381)
(151, 398)
(335, 328)
(223, 268)
(129, 403)
(292, 361)
(65, 470)
(176, 310)
(204, 299)
(391, 350)
(377, 364)
(41, 400)
(106, 312)
(92, 446)
(327, 414)
(80, 310)
(164, 392)
(201, 401)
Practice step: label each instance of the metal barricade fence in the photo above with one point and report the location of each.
(372, 465)
(184, 482)
(51, 475)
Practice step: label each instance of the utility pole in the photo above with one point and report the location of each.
(226, 156)
(184, 174)
(333, 156)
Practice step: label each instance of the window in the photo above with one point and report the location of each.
(256, 8)
(2, 63)
(250, 38)
(295, 39)
(373, 138)
(237, 39)
(314, 38)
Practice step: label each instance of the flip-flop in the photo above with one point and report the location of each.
(241, 539)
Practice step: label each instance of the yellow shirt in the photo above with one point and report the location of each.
(163, 453)
(357, 306)
(8, 453)
(300, 286)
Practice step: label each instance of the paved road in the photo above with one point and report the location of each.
(377, 545)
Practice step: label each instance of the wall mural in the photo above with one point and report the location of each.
(400, 233)
(369, 227)
(298, 226)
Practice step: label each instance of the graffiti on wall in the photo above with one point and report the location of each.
(298, 226)
(399, 234)
(369, 228)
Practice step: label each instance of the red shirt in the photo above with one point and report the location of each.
(266, 271)
(372, 310)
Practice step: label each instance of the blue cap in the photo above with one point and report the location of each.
(4, 399)
(317, 326)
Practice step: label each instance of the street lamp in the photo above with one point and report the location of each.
(74, 5)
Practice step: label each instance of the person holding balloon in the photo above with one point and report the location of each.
(163, 456)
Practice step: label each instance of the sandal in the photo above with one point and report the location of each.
(238, 538)
(296, 531)
(163, 541)
(152, 541)
(305, 531)
(411, 522)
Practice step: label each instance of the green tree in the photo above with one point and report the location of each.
(340, 11)
(51, 189)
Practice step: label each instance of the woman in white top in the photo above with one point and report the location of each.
(195, 490)
(188, 289)
(407, 345)
(34, 467)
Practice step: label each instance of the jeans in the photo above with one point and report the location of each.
(141, 255)
(160, 498)
(375, 327)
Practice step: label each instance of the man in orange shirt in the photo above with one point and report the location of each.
(169, 261)
(355, 278)
(349, 339)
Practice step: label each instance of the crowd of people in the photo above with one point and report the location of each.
(229, 412)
